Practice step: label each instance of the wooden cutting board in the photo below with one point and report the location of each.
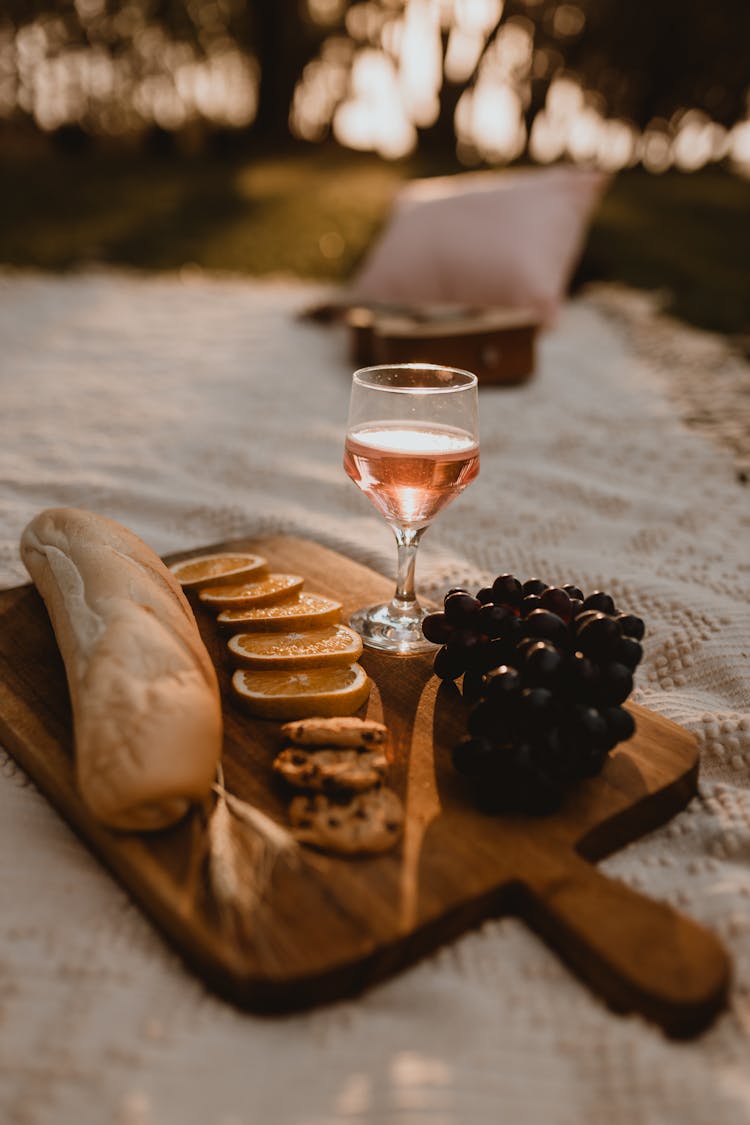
(332, 926)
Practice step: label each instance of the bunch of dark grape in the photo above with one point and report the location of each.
(547, 671)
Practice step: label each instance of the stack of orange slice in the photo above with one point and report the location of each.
(295, 658)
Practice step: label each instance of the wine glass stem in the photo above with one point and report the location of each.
(405, 600)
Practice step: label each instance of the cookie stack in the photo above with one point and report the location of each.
(339, 765)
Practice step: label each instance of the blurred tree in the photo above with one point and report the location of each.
(283, 40)
(495, 77)
(483, 71)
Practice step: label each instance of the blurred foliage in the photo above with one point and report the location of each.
(114, 68)
(313, 213)
(118, 67)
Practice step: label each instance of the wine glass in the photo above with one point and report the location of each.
(412, 444)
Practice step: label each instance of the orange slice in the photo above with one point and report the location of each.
(215, 570)
(300, 695)
(315, 648)
(266, 591)
(303, 611)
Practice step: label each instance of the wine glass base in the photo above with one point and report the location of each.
(380, 628)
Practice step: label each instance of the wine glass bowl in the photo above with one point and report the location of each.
(412, 446)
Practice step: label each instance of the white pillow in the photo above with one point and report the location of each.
(509, 239)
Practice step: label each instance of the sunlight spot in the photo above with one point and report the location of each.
(462, 54)
(564, 98)
(618, 141)
(325, 12)
(698, 141)
(410, 1069)
(547, 140)
(355, 1098)
(568, 21)
(583, 135)
(420, 63)
(364, 21)
(513, 48)
(374, 119)
(656, 149)
(478, 15)
(490, 118)
(739, 145)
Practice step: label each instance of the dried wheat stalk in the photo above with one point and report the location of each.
(244, 846)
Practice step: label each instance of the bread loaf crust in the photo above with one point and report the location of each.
(145, 698)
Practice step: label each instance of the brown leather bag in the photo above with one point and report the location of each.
(496, 344)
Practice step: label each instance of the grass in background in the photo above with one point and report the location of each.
(686, 234)
(313, 213)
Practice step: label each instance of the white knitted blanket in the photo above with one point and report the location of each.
(194, 410)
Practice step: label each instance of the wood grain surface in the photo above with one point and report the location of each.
(330, 926)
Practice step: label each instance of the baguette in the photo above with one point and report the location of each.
(146, 707)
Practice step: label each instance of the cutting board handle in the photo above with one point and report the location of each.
(640, 955)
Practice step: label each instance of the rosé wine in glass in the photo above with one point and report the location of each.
(412, 446)
(410, 472)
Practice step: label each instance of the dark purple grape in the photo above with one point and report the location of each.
(494, 619)
(547, 744)
(620, 724)
(600, 601)
(546, 669)
(557, 601)
(461, 609)
(472, 755)
(486, 720)
(492, 654)
(522, 648)
(506, 590)
(545, 625)
(529, 787)
(436, 628)
(448, 665)
(616, 684)
(585, 727)
(547, 748)
(581, 677)
(533, 586)
(463, 642)
(480, 656)
(551, 754)
(584, 616)
(535, 708)
(530, 603)
(593, 760)
(512, 631)
(631, 626)
(456, 590)
(502, 685)
(542, 664)
(598, 637)
(628, 652)
(585, 742)
(472, 684)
